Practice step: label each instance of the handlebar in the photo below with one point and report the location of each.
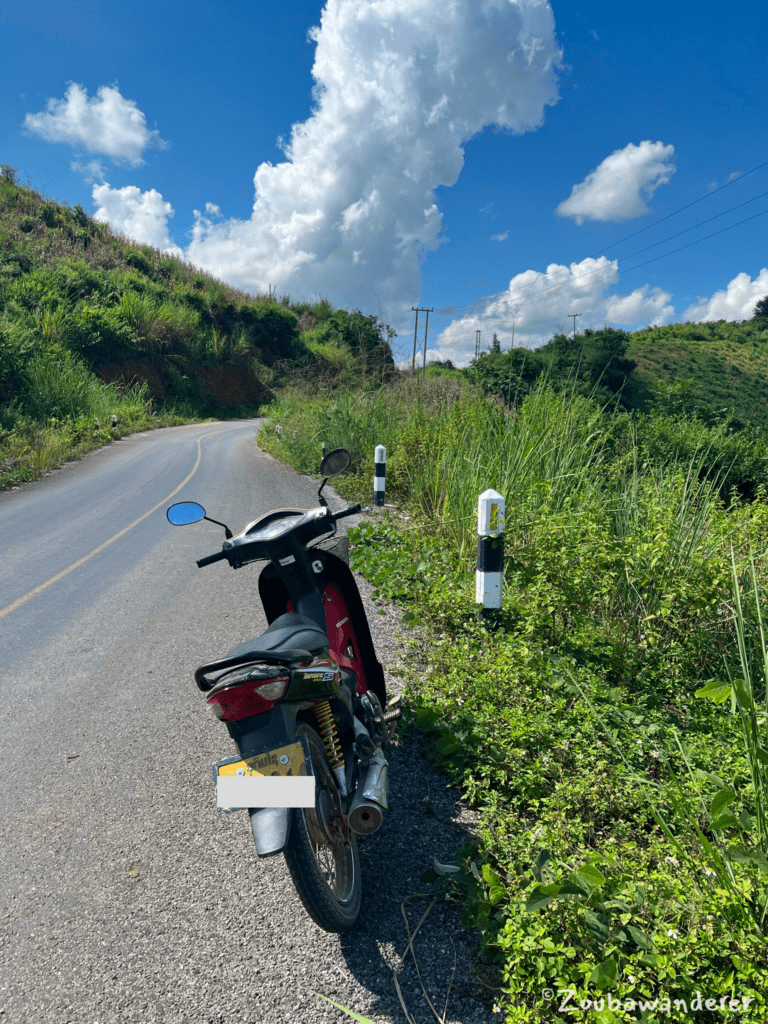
(241, 542)
(210, 558)
(351, 511)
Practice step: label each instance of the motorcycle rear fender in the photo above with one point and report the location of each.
(271, 825)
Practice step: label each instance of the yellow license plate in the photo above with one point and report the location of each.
(287, 775)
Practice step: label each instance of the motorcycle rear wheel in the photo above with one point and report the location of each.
(325, 871)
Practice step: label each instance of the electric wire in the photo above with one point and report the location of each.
(628, 270)
(535, 295)
(692, 228)
(695, 242)
(679, 210)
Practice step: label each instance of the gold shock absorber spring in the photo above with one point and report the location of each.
(329, 734)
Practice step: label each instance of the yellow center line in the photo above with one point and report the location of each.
(60, 575)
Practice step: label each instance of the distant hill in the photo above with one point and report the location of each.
(710, 370)
(75, 293)
(725, 362)
(101, 336)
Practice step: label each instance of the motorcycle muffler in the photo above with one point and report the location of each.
(371, 798)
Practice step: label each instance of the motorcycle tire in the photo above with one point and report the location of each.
(325, 872)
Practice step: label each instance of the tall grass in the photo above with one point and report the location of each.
(543, 456)
(723, 838)
(60, 386)
(629, 568)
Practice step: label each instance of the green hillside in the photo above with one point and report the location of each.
(93, 326)
(714, 371)
(725, 363)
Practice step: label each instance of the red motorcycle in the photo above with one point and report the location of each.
(304, 703)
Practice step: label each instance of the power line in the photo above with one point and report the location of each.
(696, 241)
(679, 210)
(700, 224)
(581, 277)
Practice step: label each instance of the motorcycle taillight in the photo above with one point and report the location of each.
(246, 697)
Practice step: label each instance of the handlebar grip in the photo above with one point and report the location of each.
(351, 511)
(210, 558)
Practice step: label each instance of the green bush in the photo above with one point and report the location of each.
(100, 334)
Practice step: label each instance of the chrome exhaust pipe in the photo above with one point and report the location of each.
(371, 798)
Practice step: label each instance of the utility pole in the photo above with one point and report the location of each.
(426, 328)
(574, 315)
(477, 343)
(415, 329)
(419, 309)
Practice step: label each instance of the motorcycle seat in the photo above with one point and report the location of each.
(291, 638)
(288, 633)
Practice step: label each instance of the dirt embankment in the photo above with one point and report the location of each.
(228, 386)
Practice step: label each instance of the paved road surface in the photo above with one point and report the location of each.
(122, 897)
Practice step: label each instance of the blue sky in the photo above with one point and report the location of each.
(475, 157)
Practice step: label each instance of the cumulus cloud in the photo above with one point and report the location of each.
(529, 302)
(613, 190)
(735, 302)
(399, 87)
(500, 238)
(142, 216)
(107, 123)
(92, 171)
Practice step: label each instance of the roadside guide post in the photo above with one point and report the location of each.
(378, 478)
(490, 552)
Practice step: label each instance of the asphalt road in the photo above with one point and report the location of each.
(122, 897)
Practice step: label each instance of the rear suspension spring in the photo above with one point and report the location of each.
(329, 734)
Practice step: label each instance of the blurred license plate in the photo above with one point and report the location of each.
(274, 778)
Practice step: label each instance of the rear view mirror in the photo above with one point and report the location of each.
(185, 512)
(335, 462)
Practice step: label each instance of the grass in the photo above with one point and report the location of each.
(621, 844)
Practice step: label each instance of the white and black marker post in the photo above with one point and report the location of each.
(378, 475)
(490, 551)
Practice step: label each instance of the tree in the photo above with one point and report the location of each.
(365, 336)
(761, 309)
(509, 375)
(595, 361)
(495, 344)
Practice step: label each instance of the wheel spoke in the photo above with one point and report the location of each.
(328, 882)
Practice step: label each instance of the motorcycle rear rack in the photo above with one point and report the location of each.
(289, 659)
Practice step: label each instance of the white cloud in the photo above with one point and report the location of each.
(613, 190)
(540, 304)
(500, 238)
(142, 216)
(107, 123)
(400, 85)
(735, 302)
(92, 171)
